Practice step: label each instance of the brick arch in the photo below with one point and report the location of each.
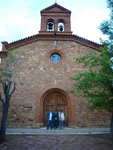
(70, 101)
(50, 20)
(61, 20)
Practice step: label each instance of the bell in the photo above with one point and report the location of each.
(50, 26)
(60, 28)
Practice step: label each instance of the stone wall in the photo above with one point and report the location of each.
(36, 72)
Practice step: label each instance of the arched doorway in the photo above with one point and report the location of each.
(67, 104)
(55, 100)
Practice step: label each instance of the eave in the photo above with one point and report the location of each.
(51, 37)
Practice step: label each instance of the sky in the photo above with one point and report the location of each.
(21, 18)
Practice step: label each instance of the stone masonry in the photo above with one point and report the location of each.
(36, 73)
(38, 77)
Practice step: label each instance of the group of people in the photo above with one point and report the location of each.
(55, 119)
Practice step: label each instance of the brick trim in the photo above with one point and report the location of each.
(56, 88)
(3, 54)
(51, 37)
(55, 50)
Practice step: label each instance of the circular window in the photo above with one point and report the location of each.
(55, 58)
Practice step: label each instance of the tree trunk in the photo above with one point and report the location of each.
(111, 127)
(4, 123)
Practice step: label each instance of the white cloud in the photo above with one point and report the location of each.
(87, 22)
(3, 30)
(21, 18)
(18, 23)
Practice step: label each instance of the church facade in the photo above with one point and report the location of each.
(46, 63)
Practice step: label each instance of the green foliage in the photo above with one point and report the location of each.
(106, 26)
(96, 83)
(110, 3)
(7, 69)
(7, 79)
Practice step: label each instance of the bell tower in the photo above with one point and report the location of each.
(55, 19)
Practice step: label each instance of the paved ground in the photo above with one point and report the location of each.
(67, 139)
(57, 142)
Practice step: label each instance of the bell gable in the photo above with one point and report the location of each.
(55, 8)
(55, 19)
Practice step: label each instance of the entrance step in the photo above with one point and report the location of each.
(64, 131)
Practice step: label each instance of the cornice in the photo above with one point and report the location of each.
(51, 37)
(53, 6)
(3, 54)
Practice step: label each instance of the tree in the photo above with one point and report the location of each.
(96, 84)
(7, 80)
(106, 27)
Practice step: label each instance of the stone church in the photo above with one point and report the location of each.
(46, 63)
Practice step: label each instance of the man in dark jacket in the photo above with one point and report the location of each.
(55, 120)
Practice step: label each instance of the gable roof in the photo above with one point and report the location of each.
(55, 7)
(48, 37)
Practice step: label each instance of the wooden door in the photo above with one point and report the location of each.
(55, 100)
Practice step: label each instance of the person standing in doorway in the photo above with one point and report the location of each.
(50, 119)
(61, 119)
(55, 120)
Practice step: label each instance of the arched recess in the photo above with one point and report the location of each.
(50, 23)
(61, 25)
(68, 100)
(56, 100)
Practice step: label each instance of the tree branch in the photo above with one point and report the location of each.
(2, 100)
(12, 90)
(4, 88)
(14, 78)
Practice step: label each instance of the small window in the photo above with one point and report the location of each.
(60, 27)
(55, 58)
(50, 26)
